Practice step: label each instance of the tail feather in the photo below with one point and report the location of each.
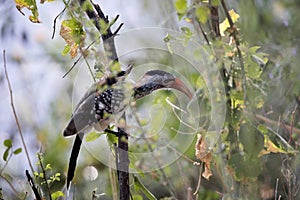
(70, 129)
(73, 158)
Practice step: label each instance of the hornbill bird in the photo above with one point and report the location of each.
(104, 99)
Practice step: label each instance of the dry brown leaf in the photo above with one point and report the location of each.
(203, 154)
(71, 31)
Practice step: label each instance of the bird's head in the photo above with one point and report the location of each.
(158, 79)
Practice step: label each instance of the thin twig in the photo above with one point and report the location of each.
(112, 178)
(6, 163)
(272, 122)
(174, 106)
(161, 170)
(292, 123)
(15, 113)
(44, 176)
(276, 188)
(76, 61)
(11, 186)
(181, 121)
(203, 33)
(55, 19)
(189, 193)
(181, 154)
(199, 179)
(88, 65)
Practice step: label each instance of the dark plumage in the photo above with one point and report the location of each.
(104, 99)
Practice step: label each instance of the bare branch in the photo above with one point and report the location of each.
(15, 113)
(199, 179)
(55, 19)
(11, 186)
(272, 122)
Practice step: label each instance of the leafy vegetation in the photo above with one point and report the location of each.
(238, 138)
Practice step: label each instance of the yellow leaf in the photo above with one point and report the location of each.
(270, 147)
(43, 1)
(234, 16)
(225, 24)
(30, 5)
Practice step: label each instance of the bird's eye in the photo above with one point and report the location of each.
(166, 81)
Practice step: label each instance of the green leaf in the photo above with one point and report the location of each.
(137, 197)
(181, 7)
(262, 128)
(200, 83)
(251, 139)
(6, 153)
(167, 38)
(141, 186)
(48, 167)
(7, 143)
(57, 194)
(36, 174)
(112, 139)
(57, 177)
(17, 151)
(253, 70)
(253, 50)
(57, 174)
(245, 168)
(72, 32)
(202, 13)
(116, 67)
(92, 136)
(41, 175)
(215, 2)
(186, 31)
(66, 50)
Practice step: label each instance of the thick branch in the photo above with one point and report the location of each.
(107, 35)
(109, 46)
(215, 20)
(123, 165)
(237, 44)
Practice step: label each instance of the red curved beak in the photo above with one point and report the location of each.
(179, 85)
